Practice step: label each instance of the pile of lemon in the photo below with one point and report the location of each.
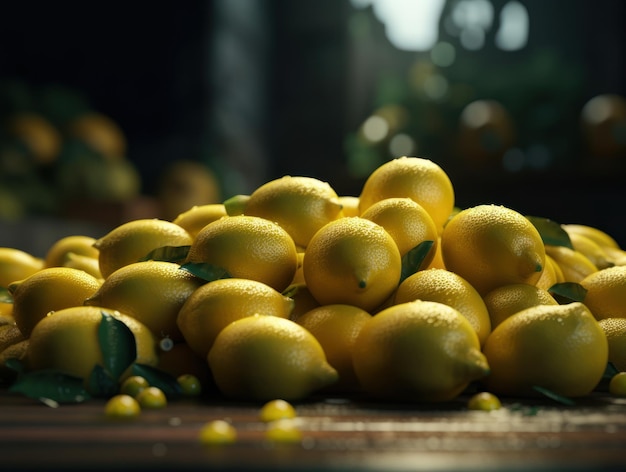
(295, 290)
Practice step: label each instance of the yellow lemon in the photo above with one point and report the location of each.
(606, 292)
(217, 304)
(56, 256)
(100, 133)
(247, 247)
(152, 292)
(298, 277)
(352, 261)
(336, 327)
(197, 217)
(91, 265)
(408, 223)
(507, 300)
(67, 341)
(595, 234)
(132, 241)
(49, 290)
(443, 286)
(592, 250)
(615, 330)
(574, 265)
(491, 245)
(262, 358)
(17, 265)
(411, 177)
(9, 334)
(561, 348)
(301, 205)
(349, 205)
(552, 274)
(616, 256)
(418, 351)
(437, 261)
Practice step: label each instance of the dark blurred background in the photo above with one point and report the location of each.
(119, 110)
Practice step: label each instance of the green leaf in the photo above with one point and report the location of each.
(157, 378)
(568, 292)
(610, 371)
(176, 254)
(51, 384)
(101, 384)
(5, 295)
(291, 291)
(208, 272)
(14, 364)
(117, 343)
(554, 396)
(412, 261)
(236, 205)
(551, 232)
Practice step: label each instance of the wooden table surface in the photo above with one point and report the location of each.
(339, 434)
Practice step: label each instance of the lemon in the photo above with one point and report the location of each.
(615, 330)
(349, 205)
(9, 334)
(37, 134)
(151, 398)
(437, 260)
(17, 265)
(352, 261)
(484, 401)
(6, 313)
(100, 133)
(443, 286)
(132, 241)
(198, 216)
(277, 410)
(615, 256)
(606, 292)
(301, 205)
(262, 358)
(247, 247)
(592, 250)
(617, 385)
(298, 277)
(122, 406)
(152, 292)
(418, 351)
(600, 237)
(57, 253)
(88, 264)
(507, 300)
(185, 183)
(217, 304)
(48, 290)
(67, 341)
(411, 177)
(561, 348)
(336, 327)
(574, 265)
(492, 245)
(552, 274)
(217, 432)
(408, 223)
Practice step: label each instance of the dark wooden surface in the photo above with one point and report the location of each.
(338, 435)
